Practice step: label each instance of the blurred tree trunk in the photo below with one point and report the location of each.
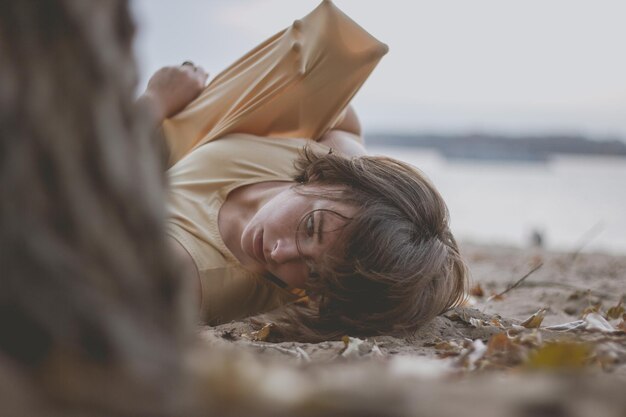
(92, 312)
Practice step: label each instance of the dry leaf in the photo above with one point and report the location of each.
(376, 352)
(446, 348)
(591, 321)
(615, 312)
(351, 347)
(592, 309)
(504, 352)
(572, 325)
(477, 291)
(303, 357)
(261, 335)
(476, 322)
(534, 321)
(462, 318)
(594, 321)
(560, 356)
(532, 340)
(357, 348)
(447, 345)
(473, 352)
(495, 321)
(498, 343)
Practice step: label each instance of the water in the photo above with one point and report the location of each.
(572, 201)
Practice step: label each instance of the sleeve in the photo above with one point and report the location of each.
(296, 84)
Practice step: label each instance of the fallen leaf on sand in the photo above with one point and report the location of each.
(591, 321)
(447, 348)
(595, 308)
(262, 334)
(504, 352)
(357, 348)
(351, 347)
(303, 357)
(498, 343)
(473, 352)
(595, 321)
(495, 321)
(534, 321)
(462, 318)
(616, 312)
(560, 356)
(478, 323)
(531, 340)
(376, 352)
(572, 325)
(477, 291)
(447, 345)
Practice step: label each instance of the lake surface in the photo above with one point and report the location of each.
(572, 201)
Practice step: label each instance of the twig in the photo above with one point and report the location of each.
(587, 237)
(516, 283)
(298, 352)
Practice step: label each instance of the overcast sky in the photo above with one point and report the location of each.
(454, 65)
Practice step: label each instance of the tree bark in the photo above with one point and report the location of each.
(92, 310)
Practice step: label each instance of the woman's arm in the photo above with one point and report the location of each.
(350, 123)
(345, 136)
(170, 89)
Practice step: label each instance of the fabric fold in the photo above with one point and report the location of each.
(296, 84)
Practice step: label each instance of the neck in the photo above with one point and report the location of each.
(239, 208)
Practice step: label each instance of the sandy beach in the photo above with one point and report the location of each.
(488, 357)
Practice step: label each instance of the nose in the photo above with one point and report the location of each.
(284, 250)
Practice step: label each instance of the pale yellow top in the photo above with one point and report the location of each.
(199, 185)
(248, 127)
(296, 84)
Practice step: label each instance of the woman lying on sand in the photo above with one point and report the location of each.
(263, 219)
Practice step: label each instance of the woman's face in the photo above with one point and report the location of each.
(291, 232)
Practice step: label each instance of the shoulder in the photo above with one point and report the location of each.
(346, 143)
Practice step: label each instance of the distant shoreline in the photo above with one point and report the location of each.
(487, 147)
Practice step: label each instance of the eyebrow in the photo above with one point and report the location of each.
(320, 225)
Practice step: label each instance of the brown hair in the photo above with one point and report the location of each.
(400, 264)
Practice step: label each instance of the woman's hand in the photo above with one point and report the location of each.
(170, 89)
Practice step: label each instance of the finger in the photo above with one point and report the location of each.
(187, 69)
(202, 73)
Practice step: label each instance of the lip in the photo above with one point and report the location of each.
(257, 247)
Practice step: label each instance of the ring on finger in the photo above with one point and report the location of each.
(189, 63)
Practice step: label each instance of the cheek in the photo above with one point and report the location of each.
(277, 219)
